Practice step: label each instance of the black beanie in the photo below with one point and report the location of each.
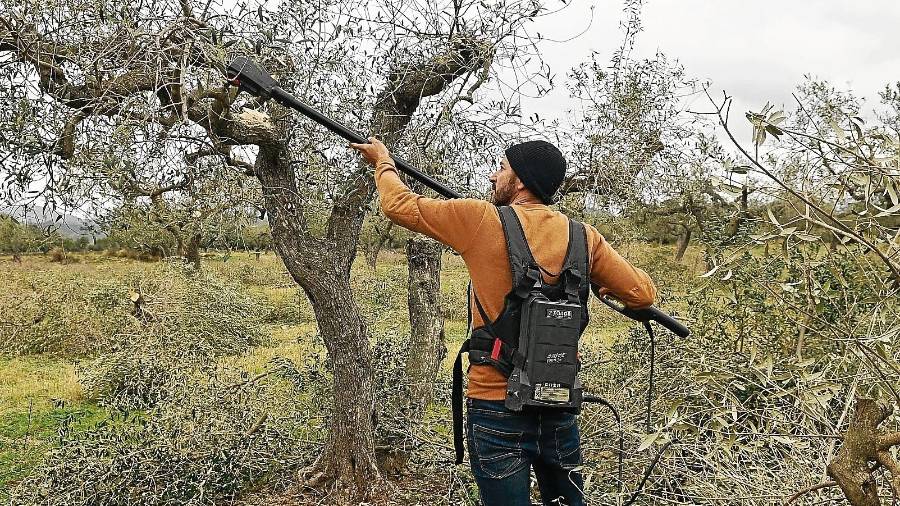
(539, 165)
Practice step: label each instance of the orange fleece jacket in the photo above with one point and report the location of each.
(472, 228)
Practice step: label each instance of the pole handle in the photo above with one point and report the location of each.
(647, 314)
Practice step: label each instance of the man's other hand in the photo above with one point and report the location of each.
(374, 151)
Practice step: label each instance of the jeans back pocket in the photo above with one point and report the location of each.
(568, 444)
(496, 453)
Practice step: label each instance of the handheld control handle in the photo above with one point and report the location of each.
(647, 314)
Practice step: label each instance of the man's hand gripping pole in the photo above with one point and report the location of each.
(645, 315)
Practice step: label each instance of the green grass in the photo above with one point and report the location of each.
(38, 396)
(26, 435)
(36, 380)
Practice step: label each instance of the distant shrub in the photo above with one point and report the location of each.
(133, 254)
(18, 238)
(132, 235)
(74, 314)
(268, 271)
(57, 254)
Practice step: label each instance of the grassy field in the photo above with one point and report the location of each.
(83, 302)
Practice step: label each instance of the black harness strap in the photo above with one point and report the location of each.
(456, 403)
(575, 272)
(520, 258)
(456, 397)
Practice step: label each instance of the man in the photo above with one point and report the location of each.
(504, 445)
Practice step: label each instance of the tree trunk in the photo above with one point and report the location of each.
(321, 266)
(179, 244)
(375, 248)
(348, 458)
(683, 240)
(850, 467)
(190, 250)
(426, 340)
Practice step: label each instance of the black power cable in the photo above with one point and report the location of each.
(603, 402)
(648, 471)
(652, 369)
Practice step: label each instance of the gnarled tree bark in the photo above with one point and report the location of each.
(426, 341)
(684, 239)
(863, 443)
(348, 458)
(322, 268)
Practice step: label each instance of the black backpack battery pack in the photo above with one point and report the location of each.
(548, 338)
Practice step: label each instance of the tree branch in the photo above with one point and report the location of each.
(811, 488)
(224, 153)
(106, 96)
(248, 127)
(186, 8)
(885, 441)
(885, 458)
(65, 146)
(101, 95)
(894, 269)
(393, 110)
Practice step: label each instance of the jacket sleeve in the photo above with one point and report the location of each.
(454, 222)
(618, 277)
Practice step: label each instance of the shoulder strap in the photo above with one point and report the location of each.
(575, 271)
(456, 395)
(524, 268)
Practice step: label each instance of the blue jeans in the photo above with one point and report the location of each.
(505, 445)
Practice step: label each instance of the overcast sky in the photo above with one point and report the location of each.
(755, 50)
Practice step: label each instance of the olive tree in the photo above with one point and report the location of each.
(635, 149)
(787, 389)
(828, 183)
(87, 80)
(211, 199)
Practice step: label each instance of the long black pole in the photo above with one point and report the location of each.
(249, 77)
(294, 103)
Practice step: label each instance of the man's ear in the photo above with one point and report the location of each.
(520, 186)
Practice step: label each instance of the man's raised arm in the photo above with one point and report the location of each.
(616, 276)
(454, 222)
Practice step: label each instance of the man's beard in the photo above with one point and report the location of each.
(502, 196)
